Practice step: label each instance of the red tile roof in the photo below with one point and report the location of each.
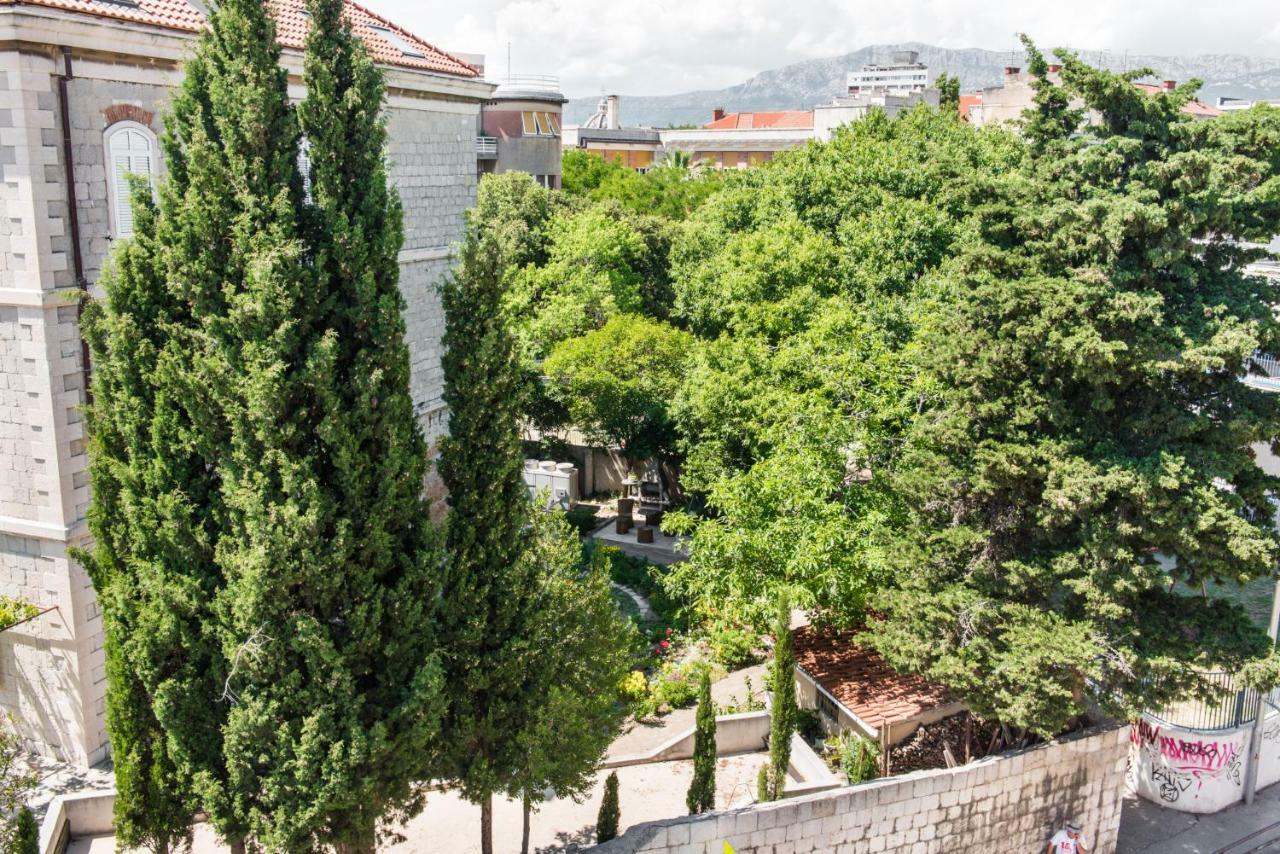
(797, 119)
(291, 25)
(861, 680)
(1194, 108)
(968, 102)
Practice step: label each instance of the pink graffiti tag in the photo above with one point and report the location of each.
(1197, 755)
(1142, 732)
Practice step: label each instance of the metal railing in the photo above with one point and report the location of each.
(1269, 378)
(533, 82)
(1232, 706)
(486, 146)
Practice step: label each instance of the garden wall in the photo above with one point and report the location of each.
(1013, 802)
(1199, 771)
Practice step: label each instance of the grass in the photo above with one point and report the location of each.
(1254, 597)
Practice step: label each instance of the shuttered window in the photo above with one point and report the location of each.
(130, 151)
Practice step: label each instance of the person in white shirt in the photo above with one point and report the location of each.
(1069, 840)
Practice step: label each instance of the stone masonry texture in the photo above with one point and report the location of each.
(1011, 803)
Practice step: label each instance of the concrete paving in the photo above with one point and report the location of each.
(1149, 829)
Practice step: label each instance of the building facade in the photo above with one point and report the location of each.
(742, 140)
(904, 75)
(520, 129)
(84, 85)
(604, 136)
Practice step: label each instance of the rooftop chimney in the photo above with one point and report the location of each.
(613, 121)
(1011, 71)
(1168, 85)
(717, 113)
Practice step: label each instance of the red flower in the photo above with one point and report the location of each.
(664, 644)
(668, 632)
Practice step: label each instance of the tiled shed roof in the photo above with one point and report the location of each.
(861, 680)
(291, 24)
(794, 119)
(1195, 108)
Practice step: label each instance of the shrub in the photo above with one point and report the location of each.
(582, 518)
(733, 646)
(15, 611)
(610, 814)
(26, 833)
(810, 727)
(676, 685)
(634, 686)
(858, 756)
(762, 784)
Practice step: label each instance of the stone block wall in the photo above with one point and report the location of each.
(1013, 802)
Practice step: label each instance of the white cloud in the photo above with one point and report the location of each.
(676, 45)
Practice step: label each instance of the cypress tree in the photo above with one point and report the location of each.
(607, 820)
(27, 832)
(702, 788)
(782, 712)
(491, 596)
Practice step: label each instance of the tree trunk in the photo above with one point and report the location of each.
(524, 833)
(486, 825)
(237, 846)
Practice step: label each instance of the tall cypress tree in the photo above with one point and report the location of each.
(146, 534)
(701, 796)
(491, 597)
(332, 576)
(782, 684)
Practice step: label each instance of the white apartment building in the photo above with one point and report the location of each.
(904, 75)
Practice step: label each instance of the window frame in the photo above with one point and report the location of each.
(113, 196)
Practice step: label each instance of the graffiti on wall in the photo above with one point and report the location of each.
(1182, 764)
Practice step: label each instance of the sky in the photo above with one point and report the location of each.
(661, 47)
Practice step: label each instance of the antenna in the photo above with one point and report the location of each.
(508, 61)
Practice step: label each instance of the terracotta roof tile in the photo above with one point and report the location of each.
(291, 24)
(1194, 108)
(796, 119)
(861, 680)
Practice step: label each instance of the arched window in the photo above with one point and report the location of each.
(131, 150)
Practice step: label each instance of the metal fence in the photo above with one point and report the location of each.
(1231, 706)
(1269, 378)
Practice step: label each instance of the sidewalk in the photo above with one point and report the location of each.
(1148, 829)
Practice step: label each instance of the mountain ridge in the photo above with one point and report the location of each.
(801, 85)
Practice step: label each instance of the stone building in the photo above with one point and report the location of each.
(520, 129)
(84, 86)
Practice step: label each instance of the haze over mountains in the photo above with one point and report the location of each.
(804, 84)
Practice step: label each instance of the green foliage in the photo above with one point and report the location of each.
(16, 785)
(15, 611)
(583, 652)
(582, 518)
(609, 816)
(634, 686)
(26, 833)
(674, 686)
(857, 755)
(702, 788)
(644, 577)
(762, 784)
(616, 382)
(782, 686)
(1085, 418)
(733, 645)
(809, 725)
(671, 191)
(948, 86)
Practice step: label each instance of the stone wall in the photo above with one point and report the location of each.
(1010, 803)
(44, 490)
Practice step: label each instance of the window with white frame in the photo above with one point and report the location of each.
(131, 150)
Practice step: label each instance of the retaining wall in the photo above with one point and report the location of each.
(1199, 771)
(1013, 802)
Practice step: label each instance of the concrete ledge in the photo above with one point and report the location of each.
(88, 814)
(746, 732)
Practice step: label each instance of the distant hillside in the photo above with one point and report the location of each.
(804, 84)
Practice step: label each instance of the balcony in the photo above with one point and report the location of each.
(486, 148)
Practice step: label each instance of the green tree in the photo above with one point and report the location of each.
(1052, 118)
(609, 816)
(574, 712)
(702, 788)
(16, 784)
(616, 383)
(327, 616)
(1084, 441)
(491, 598)
(782, 710)
(26, 832)
(948, 86)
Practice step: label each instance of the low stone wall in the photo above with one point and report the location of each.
(1013, 802)
(1199, 771)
